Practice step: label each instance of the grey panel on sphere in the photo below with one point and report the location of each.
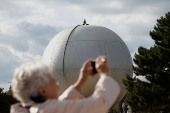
(70, 48)
(55, 50)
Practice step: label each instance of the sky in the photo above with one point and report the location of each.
(27, 26)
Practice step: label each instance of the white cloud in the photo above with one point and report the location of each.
(23, 57)
(18, 36)
(22, 43)
(7, 65)
(115, 4)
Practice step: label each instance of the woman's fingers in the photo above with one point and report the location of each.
(93, 74)
(87, 64)
(102, 59)
(102, 65)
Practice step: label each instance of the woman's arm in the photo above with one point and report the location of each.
(105, 95)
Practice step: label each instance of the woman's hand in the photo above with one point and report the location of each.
(102, 66)
(85, 72)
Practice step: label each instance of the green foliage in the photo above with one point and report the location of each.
(154, 65)
(4, 104)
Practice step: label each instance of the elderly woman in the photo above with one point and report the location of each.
(36, 89)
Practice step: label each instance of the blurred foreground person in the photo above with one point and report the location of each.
(36, 89)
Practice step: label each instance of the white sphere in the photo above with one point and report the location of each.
(70, 48)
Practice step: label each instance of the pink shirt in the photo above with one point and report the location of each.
(71, 101)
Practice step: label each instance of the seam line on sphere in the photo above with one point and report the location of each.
(65, 52)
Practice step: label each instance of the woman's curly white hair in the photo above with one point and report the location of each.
(28, 79)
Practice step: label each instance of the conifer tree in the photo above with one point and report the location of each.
(154, 64)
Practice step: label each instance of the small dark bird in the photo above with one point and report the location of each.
(84, 23)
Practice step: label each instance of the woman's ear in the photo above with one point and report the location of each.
(42, 92)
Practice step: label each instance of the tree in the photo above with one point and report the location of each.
(154, 64)
(4, 104)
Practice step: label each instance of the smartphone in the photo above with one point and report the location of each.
(93, 66)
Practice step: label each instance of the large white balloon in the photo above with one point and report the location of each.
(70, 48)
